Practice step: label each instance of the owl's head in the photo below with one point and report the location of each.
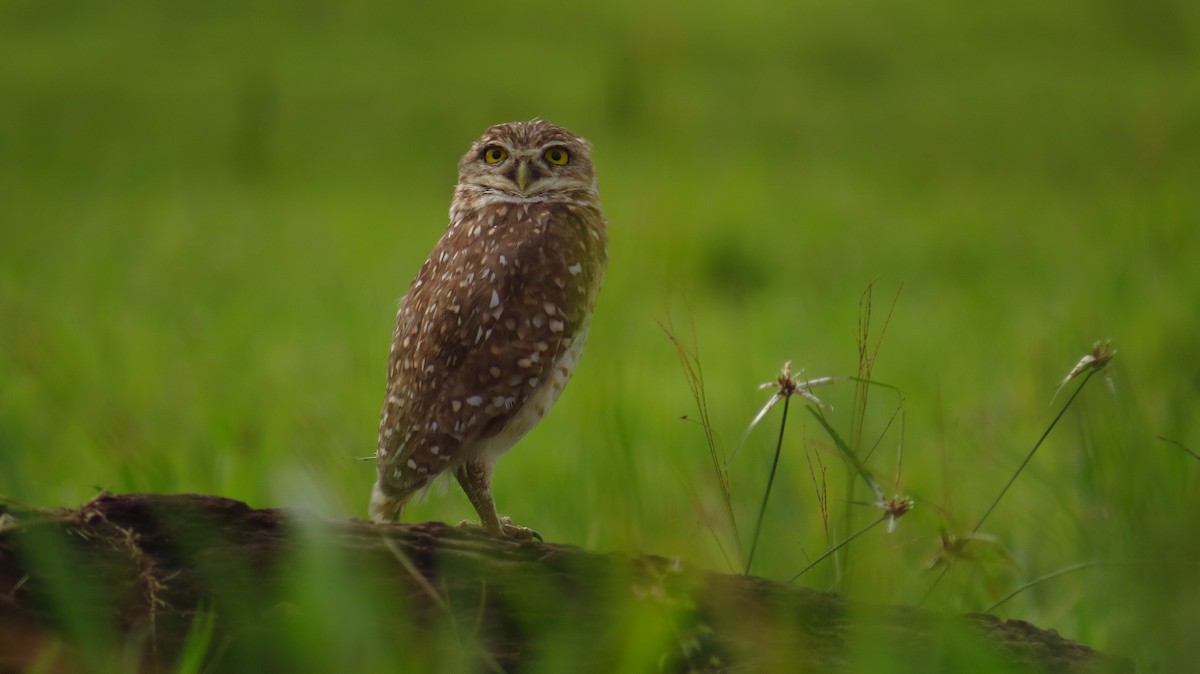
(527, 159)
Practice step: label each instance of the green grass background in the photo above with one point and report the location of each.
(209, 210)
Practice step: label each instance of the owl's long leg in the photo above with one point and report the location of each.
(476, 480)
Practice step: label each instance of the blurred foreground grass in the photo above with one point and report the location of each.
(207, 213)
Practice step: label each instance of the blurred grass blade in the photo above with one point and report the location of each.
(849, 455)
(199, 641)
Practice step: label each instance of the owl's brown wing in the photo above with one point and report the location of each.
(485, 320)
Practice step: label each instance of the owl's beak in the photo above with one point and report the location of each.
(522, 175)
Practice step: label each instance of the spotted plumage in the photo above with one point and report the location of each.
(492, 327)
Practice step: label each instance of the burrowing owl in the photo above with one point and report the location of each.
(492, 327)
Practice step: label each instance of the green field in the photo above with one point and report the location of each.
(209, 211)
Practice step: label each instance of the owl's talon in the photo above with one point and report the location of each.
(521, 533)
(507, 529)
(518, 532)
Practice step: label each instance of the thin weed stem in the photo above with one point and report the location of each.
(835, 548)
(1033, 451)
(690, 361)
(1181, 446)
(762, 511)
(1012, 479)
(712, 527)
(1049, 576)
(820, 488)
(868, 352)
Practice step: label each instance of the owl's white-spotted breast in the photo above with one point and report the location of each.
(492, 327)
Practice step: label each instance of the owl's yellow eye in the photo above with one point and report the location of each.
(495, 155)
(558, 156)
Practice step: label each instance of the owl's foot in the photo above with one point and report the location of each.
(507, 529)
(518, 532)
